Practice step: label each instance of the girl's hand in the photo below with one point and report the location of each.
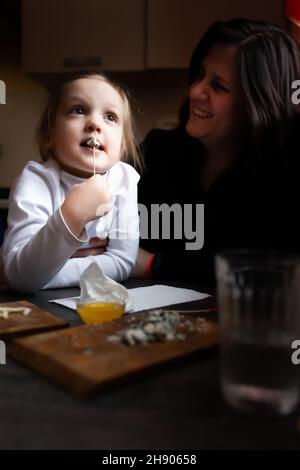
(98, 247)
(86, 202)
(141, 264)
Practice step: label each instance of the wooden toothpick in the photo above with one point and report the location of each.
(94, 160)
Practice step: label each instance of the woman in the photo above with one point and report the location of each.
(233, 151)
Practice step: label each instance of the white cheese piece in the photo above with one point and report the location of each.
(5, 311)
(92, 142)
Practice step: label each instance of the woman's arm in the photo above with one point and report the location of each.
(143, 265)
(97, 246)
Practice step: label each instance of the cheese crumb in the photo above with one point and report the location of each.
(5, 311)
(156, 325)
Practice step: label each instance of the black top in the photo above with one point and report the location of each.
(243, 208)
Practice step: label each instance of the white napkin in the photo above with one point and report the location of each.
(94, 284)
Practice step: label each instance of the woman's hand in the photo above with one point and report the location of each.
(97, 247)
(141, 264)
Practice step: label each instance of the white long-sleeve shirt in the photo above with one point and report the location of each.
(38, 244)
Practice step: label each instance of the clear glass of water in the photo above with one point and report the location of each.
(259, 303)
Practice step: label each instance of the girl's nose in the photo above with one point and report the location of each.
(93, 124)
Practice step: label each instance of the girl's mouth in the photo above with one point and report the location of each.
(91, 143)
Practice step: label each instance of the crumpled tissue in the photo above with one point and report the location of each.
(95, 284)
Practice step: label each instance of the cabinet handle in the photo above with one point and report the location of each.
(82, 61)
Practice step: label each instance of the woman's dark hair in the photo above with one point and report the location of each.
(267, 63)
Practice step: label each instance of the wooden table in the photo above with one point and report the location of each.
(178, 407)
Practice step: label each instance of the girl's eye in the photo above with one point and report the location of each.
(110, 117)
(77, 110)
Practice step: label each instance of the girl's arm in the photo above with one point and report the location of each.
(38, 244)
(119, 258)
(36, 247)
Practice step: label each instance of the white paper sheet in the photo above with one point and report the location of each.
(144, 298)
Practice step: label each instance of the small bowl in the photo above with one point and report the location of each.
(96, 311)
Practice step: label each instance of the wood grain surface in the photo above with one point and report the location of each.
(84, 361)
(36, 321)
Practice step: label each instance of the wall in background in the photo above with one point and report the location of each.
(157, 107)
(18, 117)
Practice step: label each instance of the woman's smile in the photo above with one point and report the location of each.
(199, 112)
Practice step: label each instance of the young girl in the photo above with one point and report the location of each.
(59, 206)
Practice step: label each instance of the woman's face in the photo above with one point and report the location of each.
(215, 98)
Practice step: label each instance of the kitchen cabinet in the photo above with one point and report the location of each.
(63, 35)
(125, 35)
(174, 27)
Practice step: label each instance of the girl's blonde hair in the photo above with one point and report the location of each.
(129, 151)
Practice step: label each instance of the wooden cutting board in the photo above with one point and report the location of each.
(36, 321)
(83, 360)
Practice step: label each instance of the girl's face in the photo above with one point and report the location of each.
(215, 99)
(89, 107)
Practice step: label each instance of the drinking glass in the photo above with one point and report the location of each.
(259, 300)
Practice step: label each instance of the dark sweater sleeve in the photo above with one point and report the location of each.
(163, 152)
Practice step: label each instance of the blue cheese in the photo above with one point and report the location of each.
(156, 325)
